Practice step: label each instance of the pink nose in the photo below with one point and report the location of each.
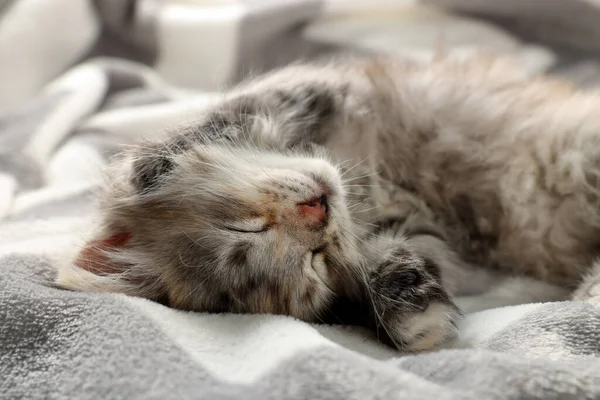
(314, 210)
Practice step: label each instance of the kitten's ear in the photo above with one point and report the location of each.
(102, 267)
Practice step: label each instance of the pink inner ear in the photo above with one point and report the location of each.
(93, 258)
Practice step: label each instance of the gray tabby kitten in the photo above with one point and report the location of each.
(369, 192)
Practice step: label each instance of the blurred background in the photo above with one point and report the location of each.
(80, 78)
(208, 45)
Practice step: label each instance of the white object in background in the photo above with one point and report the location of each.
(201, 43)
(213, 30)
(39, 39)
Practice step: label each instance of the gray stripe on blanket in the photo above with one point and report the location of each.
(17, 128)
(572, 327)
(480, 374)
(60, 344)
(26, 172)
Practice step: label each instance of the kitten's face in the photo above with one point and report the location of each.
(230, 230)
(269, 231)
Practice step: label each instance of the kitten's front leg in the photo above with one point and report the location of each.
(408, 304)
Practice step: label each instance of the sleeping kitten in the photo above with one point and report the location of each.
(369, 192)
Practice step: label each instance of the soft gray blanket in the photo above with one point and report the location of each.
(64, 111)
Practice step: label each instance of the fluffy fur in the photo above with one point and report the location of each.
(437, 180)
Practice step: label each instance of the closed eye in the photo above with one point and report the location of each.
(235, 229)
(248, 226)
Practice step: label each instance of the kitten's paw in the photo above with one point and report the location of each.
(589, 288)
(412, 307)
(590, 292)
(434, 328)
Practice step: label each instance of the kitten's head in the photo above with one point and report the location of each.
(211, 224)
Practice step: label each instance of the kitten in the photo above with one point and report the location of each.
(367, 192)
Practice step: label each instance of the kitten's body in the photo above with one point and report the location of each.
(507, 169)
(448, 170)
